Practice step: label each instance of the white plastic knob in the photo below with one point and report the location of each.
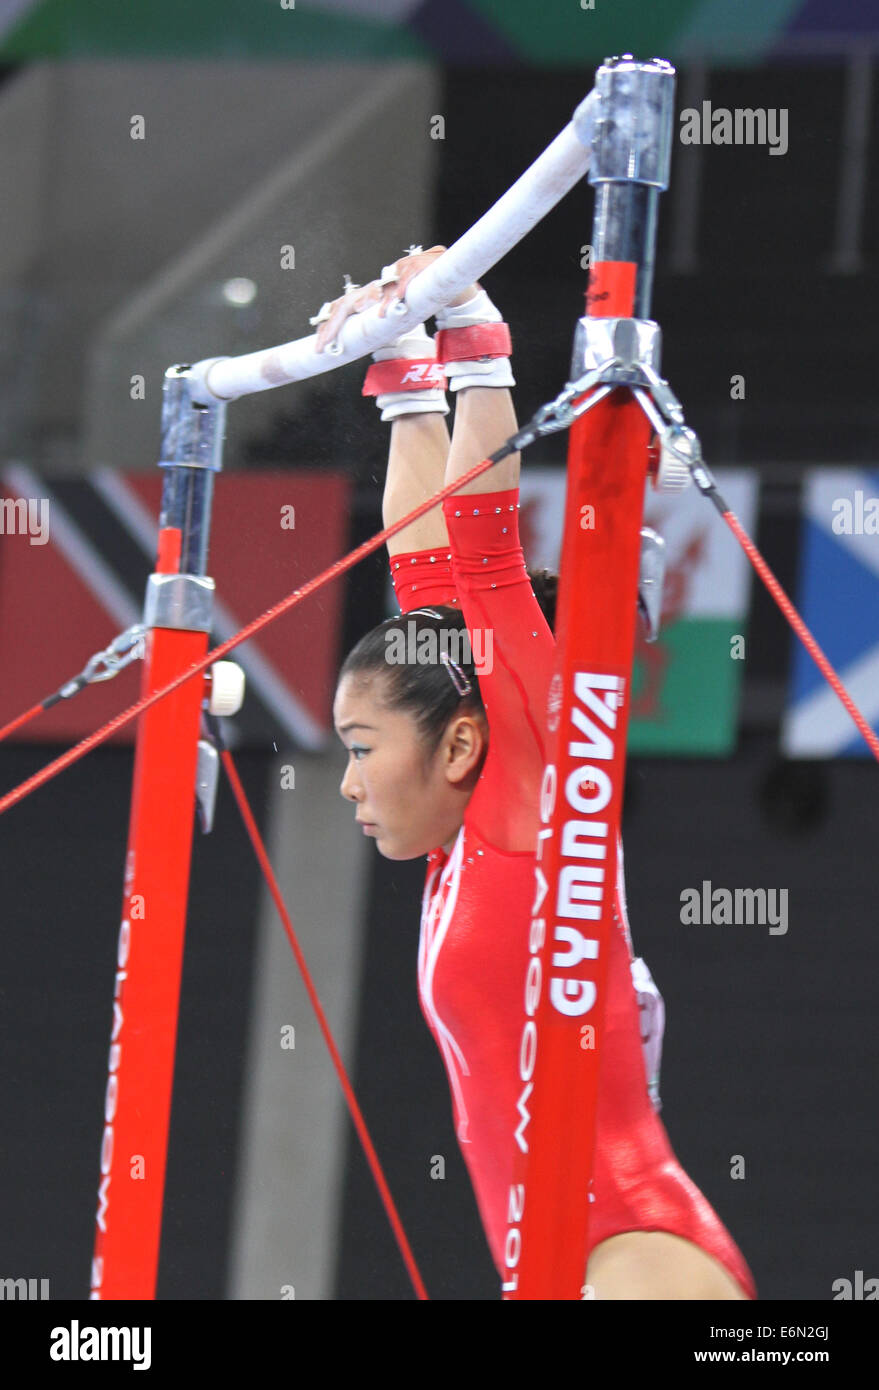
(676, 448)
(227, 688)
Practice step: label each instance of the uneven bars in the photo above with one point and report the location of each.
(530, 198)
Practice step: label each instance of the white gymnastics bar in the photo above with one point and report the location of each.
(530, 198)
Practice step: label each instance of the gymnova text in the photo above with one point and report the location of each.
(463, 646)
(75, 1343)
(735, 907)
(743, 126)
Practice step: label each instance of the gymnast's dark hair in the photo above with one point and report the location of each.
(428, 690)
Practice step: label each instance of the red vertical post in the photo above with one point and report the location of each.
(137, 1106)
(146, 999)
(580, 810)
(581, 806)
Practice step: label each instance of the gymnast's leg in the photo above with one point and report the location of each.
(657, 1265)
(417, 458)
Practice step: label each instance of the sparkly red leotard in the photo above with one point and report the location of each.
(473, 949)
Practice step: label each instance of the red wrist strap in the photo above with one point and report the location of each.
(403, 374)
(468, 344)
(423, 577)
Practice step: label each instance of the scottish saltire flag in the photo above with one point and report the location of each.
(687, 684)
(838, 597)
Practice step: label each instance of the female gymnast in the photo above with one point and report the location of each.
(445, 743)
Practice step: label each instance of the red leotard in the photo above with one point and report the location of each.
(473, 949)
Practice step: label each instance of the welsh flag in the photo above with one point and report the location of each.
(687, 684)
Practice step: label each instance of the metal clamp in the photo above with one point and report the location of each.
(634, 120)
(192, 434)
(627, 350)
(183, 601)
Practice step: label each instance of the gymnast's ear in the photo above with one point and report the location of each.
(464, 746)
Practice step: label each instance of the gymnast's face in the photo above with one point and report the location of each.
(410, 803)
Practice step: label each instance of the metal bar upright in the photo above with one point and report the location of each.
(177, 616)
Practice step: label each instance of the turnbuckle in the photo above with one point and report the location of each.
(127, 647)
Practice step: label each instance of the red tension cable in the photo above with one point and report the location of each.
(351, 1099)
(22, 719)
(800, 629)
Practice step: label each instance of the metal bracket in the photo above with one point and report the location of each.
(127, 647)
(626, 352)
(623, 352)
(182, 601)
(192, 434)
(651, 575)
(624, 349)
(207, 774)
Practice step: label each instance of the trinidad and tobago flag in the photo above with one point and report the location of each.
(74, 564)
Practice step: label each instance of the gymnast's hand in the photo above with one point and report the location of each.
(409, 266)
(355, 301)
